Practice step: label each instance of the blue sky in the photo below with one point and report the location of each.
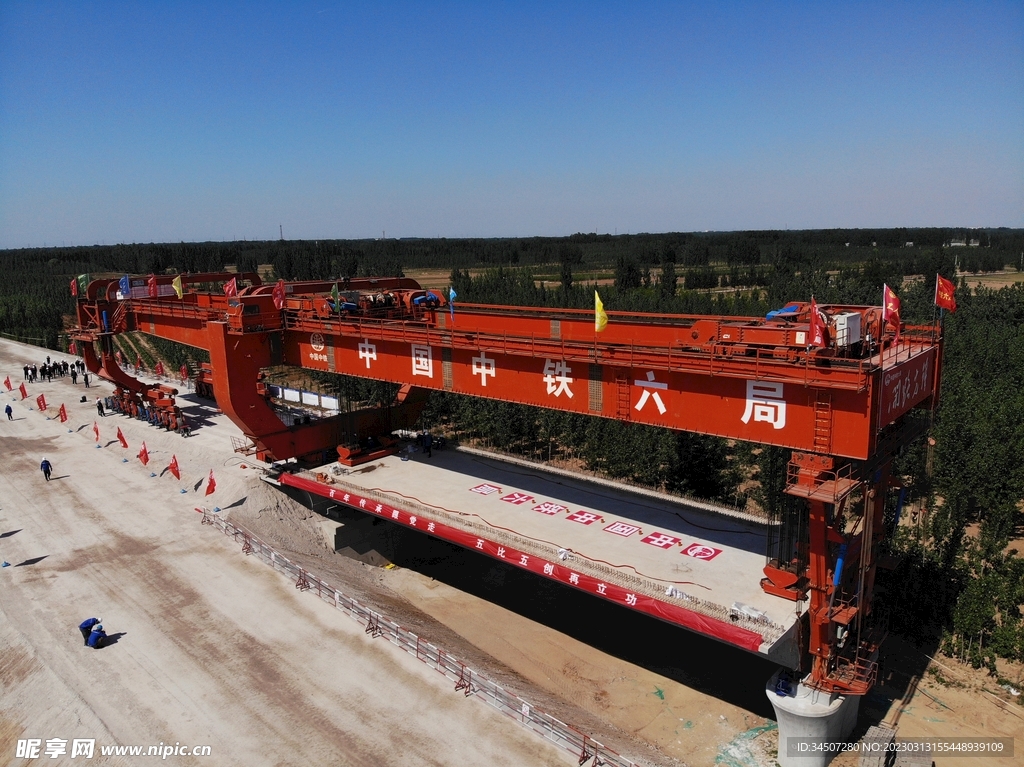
(148, 122)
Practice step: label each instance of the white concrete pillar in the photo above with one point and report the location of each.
(808, 713)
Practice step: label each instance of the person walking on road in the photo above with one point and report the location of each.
(10, 413)
(99, 407)
(74, 375)
(85, 379)
(46, 468)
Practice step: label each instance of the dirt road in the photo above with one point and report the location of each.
(212, 648)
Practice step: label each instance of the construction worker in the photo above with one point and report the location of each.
(99, 407)
(86, 628)
(10, 412)
(46, 468)
(97, 638)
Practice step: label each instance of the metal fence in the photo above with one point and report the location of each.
(467, 681)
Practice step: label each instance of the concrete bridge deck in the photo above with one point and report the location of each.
(687, 565)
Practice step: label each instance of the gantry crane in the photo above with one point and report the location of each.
(844, 409)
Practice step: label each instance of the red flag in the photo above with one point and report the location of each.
(41, 402)
(818, 325)
(62, 413)
(96, 430)
(278, 294)
(945, 293)
(144, 455)
(151, 282)
(231, 287)
(159, 370)
(183, 372)
(73, 348)
(120, 438)
(173, 467)
(118, 357)
(24, 391)
(891, 310)
(7, 383)
(211, 484)
(74, 287)
(138, 360)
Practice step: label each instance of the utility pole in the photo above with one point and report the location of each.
(280, 228)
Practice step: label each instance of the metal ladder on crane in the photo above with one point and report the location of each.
(822, 421)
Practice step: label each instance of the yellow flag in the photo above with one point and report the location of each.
(600, 318)
(177, 285)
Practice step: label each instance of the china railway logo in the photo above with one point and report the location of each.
(700, 551)
(316, 340)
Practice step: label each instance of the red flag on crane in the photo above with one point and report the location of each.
(41, 402)
(7, 383)
(96, 430)
(62, 413)
(278, 294)
(891, 310)
(144, 455)
(945, 293)
(173, 467)
(24, 391)
(231, 287)
(120, 438)
(818, 325)
(211, 484)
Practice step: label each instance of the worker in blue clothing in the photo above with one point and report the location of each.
(98, 637)
(9, 411)
(86, 628)
(46, 468)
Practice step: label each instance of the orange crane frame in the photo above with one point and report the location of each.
(843, 409)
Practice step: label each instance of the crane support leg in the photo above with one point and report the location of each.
(103, 365)
(236, 360)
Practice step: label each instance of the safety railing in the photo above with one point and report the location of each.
(468, 681)
(714, 360)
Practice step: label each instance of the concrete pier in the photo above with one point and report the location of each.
(804, 712)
